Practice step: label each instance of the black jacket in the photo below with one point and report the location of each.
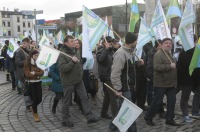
(104, 58)
(149, 66)
(183, 68)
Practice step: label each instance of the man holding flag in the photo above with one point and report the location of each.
(123, 71)
(72, 80)
(164, 81)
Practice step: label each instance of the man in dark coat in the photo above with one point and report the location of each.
(72, 80)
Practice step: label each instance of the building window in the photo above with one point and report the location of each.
(4, 24)
(18, 28)
(24, 25)
(3, 14)
(8, 24)
(18, 19)
(29, 25)
(9, 33)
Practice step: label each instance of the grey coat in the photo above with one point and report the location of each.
(19, 62)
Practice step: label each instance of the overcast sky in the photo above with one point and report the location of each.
(54, 9)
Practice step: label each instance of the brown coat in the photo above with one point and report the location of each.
(38, 72)
(164, 75)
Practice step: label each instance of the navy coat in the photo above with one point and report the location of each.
(56, 80)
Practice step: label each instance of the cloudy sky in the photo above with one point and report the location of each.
(54, 9)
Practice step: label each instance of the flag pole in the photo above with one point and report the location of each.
(61, 52)
(115, 92)
(167, 56)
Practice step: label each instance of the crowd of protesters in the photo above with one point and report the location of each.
(142, 80)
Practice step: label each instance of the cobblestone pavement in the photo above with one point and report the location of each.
(15, 118)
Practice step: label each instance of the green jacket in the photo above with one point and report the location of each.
(164, 75)
(71, 73)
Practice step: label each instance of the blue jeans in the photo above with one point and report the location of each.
(157, 102)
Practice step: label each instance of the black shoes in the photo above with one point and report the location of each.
(172, 123)
(106, 116)
(149, 122)
(67, 124)
(93, 120)
(54, 110)
(162, 115)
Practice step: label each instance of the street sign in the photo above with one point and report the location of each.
(39, 11)
(46, 27)
(29, 12)
(40, 22)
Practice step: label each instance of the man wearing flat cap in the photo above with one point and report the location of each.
(164, 81)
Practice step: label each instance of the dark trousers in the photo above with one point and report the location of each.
(157, 102)
(35, 94)
(186, 90)
(109, 99)
(150, 92)
(58, 96)
(12, 74)
(67, 93)
(141, 90)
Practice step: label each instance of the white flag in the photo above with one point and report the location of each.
(185, 30)
(13, 46)
(128, 113)
(47, 57)
(44, 40)
(159, 23)
(110, 32)
(33, 35)
(69, 33)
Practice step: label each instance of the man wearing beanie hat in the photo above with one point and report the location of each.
(164, 81)
(123, 71)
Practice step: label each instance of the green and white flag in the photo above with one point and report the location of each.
(173, 10)
(159, 23)
(127, 114)
(185, 31)
(12, 47)
(145, 35)
(47, 57)
(93, 29)
(134, 16)
(195, 62)
(44, 40)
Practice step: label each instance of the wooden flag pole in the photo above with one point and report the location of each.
(61, 52)
(115, 92)
(167, 56)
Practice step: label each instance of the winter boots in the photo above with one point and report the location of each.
(35, 115)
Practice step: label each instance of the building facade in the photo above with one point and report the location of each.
(15, 23)
(117, 16)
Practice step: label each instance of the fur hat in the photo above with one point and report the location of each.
(130, 38)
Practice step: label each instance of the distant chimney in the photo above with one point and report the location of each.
(4, 8)
(7, 9)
